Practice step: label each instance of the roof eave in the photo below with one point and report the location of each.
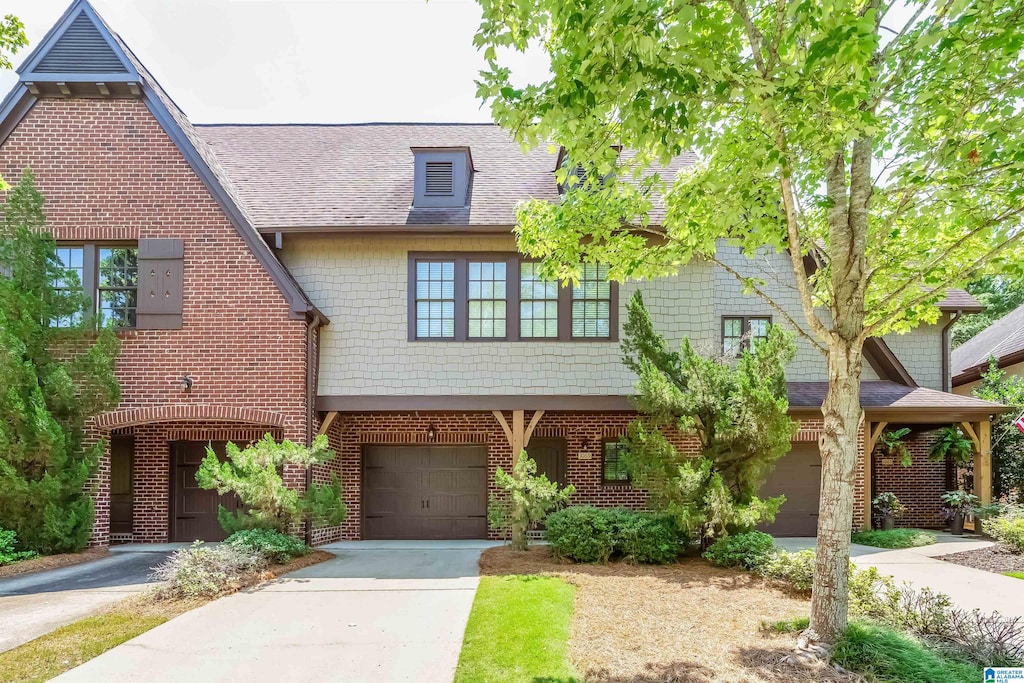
(974, 373)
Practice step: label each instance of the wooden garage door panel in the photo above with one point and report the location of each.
(797, 475)
(193, 509)
(426, 492)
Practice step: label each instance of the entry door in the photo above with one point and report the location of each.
(797, 475)
(549, 454)
(193, 509)
(122, 450)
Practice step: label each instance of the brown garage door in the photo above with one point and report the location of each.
(797, 475)
(424, 492)
(194, 510)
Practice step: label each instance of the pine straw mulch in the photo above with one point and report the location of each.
(38, 564)
(995, 558)
(686, 622)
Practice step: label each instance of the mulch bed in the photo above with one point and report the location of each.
(38, 564)
(992, 559)
(685, 622)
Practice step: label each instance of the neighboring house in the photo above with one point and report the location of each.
(362, 281)
(1002, 340)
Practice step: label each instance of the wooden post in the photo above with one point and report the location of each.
(983, 463)
(872, 430)
(518, 433)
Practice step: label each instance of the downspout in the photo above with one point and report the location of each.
(945, 350)
(311, 370)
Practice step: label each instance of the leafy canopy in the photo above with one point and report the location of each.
(254, 474)
(1007, 440)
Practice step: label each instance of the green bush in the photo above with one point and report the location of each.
(894, 538)
(796, 569)
(272, 545)
(8, 555)
(589, 534)
(748, 550)
(207, 570)
(884, 654)
(1007, 530)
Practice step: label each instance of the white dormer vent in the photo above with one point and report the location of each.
(442, 176)
(439, 178)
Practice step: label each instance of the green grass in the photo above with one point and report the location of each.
(1016, 575)
(50, 655)
(786, 625)
(518, 632)
(883, 655)
(894, 538)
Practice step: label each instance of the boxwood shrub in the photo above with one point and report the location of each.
(273, 545)
(749, 550)
(588, 534)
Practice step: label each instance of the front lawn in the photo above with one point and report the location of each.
(518, 631)
(894, 538)
(1015, 575)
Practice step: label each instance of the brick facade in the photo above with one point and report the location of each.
(919, 486)
(110, 172)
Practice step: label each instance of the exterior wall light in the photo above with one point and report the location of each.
(186, 383)
(431, 433)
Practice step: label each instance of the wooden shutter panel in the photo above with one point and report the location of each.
(160, 284)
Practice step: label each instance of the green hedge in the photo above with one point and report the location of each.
(272, 545)
(589, 534)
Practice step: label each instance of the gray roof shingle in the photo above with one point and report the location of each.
(1002, 338)
(889, 395)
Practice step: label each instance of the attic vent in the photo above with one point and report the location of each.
(440, 179)
(81, 49)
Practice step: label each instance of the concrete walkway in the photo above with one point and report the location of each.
(377, 612)
(37, 603)
(968, 587)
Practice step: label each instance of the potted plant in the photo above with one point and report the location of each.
(958, 504)
(893, 445)
(954, 445)
(889, 508)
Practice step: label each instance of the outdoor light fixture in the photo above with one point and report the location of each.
(186, 383)
(431, 433)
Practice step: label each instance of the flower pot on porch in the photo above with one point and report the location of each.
(888, 522)
(956, 525)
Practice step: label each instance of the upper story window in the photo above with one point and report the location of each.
(108, 275)
(487, 296)
(441, 177)
(743, 332)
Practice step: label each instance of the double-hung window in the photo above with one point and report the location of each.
(502, 297)
(743, 332)
(613, 466)
(108, 276)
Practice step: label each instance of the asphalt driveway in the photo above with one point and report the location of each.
(376, 612)
(34, 604)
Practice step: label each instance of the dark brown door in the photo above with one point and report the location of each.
(797, 475)
(122, 449)
(549, 454)
(193, 509)
(424, 492)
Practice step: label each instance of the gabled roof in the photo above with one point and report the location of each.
(81, 28)
(1003, 340)
(898, 402)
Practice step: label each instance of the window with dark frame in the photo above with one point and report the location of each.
(495, 296)
(743, 332)
(109, 278)
(613, 469)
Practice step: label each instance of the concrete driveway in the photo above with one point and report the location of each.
(379, 611)
(34, 604)
(968, 587)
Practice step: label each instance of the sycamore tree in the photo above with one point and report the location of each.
(879, 144)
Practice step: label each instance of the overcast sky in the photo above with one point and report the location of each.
(299, 61)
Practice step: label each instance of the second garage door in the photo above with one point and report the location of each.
(797, 475)
(424, 492)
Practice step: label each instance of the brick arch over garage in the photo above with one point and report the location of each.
(201, 412)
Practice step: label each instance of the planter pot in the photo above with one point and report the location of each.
(956, 525)
(888, 523)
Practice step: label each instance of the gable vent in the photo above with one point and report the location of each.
(440, 177)
(82, 49)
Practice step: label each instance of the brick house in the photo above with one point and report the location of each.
(362, 281)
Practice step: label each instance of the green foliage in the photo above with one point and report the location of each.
(207, 570)
(588, 534)
(886, 655)
(999, 295)
(738, 412)
(1007, 440)
(52, 381)
(796, 569)
(748, 550)
(894, 538)
(794, 625)
(276, 547)
(8, 555)
(960, 501)
(1007, 530)
(953, 444)
(892, 443)
(527, 500)
(254, 474)
(887, 503)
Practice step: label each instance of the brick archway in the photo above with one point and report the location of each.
(194, 412)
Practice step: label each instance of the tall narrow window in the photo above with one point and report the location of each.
(538, 304)
(592, 303)
(487, 299)
(435, 299)
(743, 332)
(614, 470)
(118, 286)
(73, 260)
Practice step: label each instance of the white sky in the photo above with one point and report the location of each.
(299, 61)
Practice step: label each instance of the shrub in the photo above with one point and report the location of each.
(8, 555)
(528, 498)
(582, 534)
(272, 545)
(885, 654)
(748, 550)
(1008, 530)
(894, 538)
(207, 571)
(645, 538)
(796, 569)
